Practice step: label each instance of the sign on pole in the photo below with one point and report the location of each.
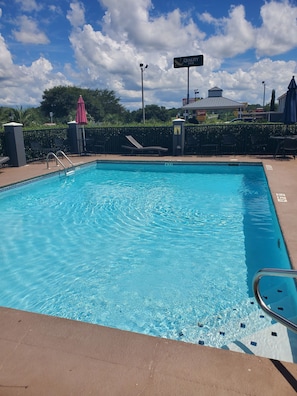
(188, 61)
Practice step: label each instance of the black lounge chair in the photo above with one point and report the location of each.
(3, 160)
(137, 147)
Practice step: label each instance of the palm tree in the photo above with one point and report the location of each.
(22, 116)
(4, 115)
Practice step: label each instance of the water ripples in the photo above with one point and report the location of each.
(142, 252)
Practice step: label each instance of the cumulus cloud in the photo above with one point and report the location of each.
(55, 9)
(76, 14)
(131, 21)
(108, 52)
(29, 5)
(130, 36)
(22, 84)
(236, 35)
(246, 83)
(29, 32)
(6, 63)
(278, 32)
(29, 82)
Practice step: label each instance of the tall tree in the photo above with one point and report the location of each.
(272, 101)
(61, 101)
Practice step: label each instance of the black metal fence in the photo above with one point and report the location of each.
(199, 139)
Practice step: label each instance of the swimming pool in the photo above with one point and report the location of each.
(162, 249)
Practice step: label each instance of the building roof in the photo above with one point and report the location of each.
(214, 101)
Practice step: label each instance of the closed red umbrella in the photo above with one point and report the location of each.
(81, 119)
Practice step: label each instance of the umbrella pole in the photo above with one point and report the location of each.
(84, 140)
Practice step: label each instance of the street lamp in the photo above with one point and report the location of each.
(264, 85)
(142, 67)
(196, 92)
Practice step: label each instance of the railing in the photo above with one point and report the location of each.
(279, 273)
(67, 171)
(65, 156)
(58, 161)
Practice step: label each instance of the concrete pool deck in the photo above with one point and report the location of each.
(43, 355)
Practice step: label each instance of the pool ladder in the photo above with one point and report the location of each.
(68, 170)
(273, 272)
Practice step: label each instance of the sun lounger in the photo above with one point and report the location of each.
(137, 147)
(3, 160)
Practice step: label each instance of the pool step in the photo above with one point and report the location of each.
(233, 326)
(273, 342)
(258, 320)
(219, 329)
(285, 307)
(232, 329)
(276, 293)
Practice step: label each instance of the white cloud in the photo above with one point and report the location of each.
(208, 18)
(29, 5)
(55, 9)
(247, 83)
(6, 63)
(29, 32)
(26, 84)
(107, 55)
(76, 14)
(278, 32)
(129, 20)
(236, 35)
(129, 36)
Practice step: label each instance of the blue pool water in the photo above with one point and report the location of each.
(152, 248)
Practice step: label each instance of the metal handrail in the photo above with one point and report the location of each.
(56, 158)
(58, 161)
(65, 156)
(273, 272)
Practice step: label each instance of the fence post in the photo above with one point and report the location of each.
(75, 138)
(14, 143)
(178, 136)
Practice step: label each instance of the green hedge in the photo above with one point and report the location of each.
(202, 134)
(114, 137)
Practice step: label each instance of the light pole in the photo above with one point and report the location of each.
(142, 67)
(196, 92)
(264, 85)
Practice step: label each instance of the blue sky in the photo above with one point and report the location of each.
(100, 44)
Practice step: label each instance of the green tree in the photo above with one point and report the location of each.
(153, 113)
(156, 113)
(272, 101)
(4, 115)
(21, 115)
(136, 116)
(62, 101)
